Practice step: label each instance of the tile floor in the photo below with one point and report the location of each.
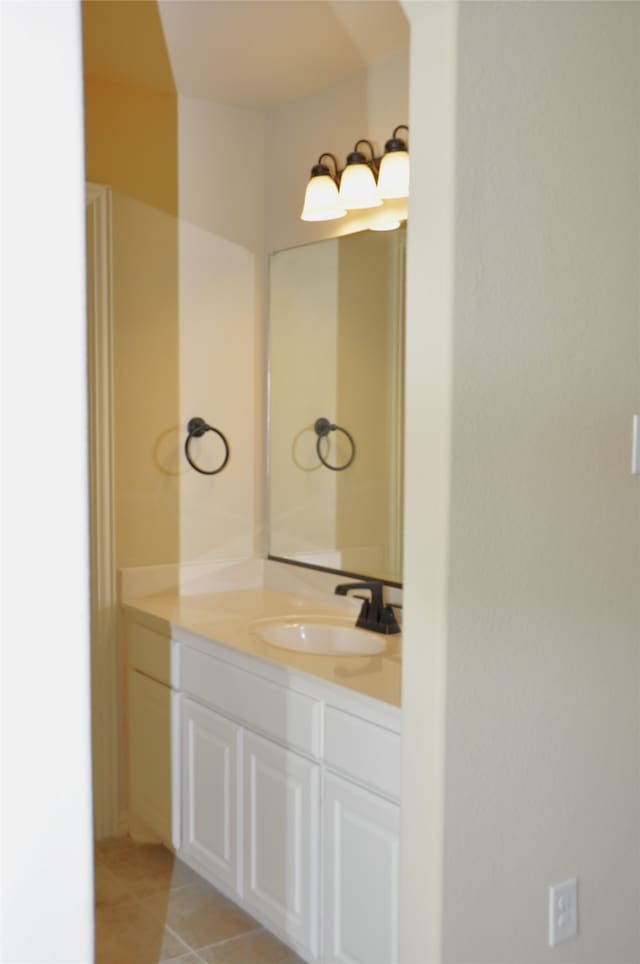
(150, 907)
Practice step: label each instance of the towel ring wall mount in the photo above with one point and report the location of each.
(322, 428)
(197, 427)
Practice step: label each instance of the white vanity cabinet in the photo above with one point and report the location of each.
(251, 792)
(210, 792)
(281, 839)
(361, 824)
(153, 733)
(361, 854)
(286, 789)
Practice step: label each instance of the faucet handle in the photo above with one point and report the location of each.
(388, 619)
(374, 586)
(374, 615)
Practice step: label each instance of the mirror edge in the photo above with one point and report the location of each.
(337, 572)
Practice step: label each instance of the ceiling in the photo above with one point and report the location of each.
(246, 53)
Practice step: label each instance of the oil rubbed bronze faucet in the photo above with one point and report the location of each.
(374, 615)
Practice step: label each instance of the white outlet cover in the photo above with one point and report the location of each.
(563, 912)
(635, 446)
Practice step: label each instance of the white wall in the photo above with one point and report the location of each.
(221, 360)
(428, 388)
(542, 768)
(46, 851)
(540, 625)
(303, 337)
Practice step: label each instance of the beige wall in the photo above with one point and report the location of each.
(146, 383)
(531, 592)
(542, 773)
(131, 145)
(188, 293)
(131, 137)
(365, 381)
(125, 43)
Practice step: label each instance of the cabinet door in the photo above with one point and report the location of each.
(210, 792)
(150, 754)
(281, 799)
(361, 837)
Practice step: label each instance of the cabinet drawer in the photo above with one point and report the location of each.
(363, 751)
(151, 653)
(283, 714)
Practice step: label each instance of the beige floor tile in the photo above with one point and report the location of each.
(128, 934)
(147, 869)
(170, 944)
(200, 915)
(158, 903)
(259, 948)
(190, 958)
(109, 889)
(104, 848)
(183, 875)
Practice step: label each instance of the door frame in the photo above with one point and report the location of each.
(108, 818)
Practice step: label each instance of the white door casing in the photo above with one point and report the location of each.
(109, 818)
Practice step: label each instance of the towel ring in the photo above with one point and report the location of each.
(197, 427)
(322, 428)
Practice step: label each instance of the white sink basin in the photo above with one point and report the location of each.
(323, 635)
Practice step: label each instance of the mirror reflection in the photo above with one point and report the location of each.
(336, 404)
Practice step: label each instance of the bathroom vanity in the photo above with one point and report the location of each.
(274, 774)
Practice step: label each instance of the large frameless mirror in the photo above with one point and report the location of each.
(336, 391)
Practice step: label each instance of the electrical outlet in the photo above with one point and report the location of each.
(635, 446)
(563, 912)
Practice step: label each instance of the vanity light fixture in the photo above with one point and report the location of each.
(358, 187)
(385, 224)
(364, 182)
(393, 178)
(321, 202)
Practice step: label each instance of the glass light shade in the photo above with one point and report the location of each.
(384, 222)
(321, 200)
(393, 179)
(358, 188)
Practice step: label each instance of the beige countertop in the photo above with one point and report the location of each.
(225, 618)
